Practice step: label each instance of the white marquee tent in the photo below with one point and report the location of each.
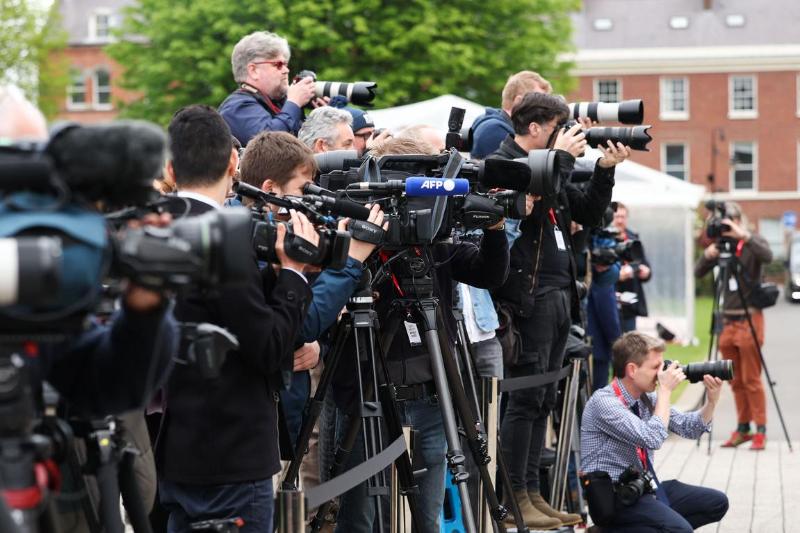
(662, 211)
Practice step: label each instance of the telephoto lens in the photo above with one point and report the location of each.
(637, 137)
(695, 371)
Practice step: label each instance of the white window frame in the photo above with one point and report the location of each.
(101, 11)
(732, 172)
(72, 106)
(96, 92)
(597, 88)
(742, 113)
(664, 97)
(686, 159)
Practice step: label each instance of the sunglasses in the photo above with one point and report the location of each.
(277, 63)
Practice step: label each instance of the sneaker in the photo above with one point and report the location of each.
(736, 439)
(759, 442)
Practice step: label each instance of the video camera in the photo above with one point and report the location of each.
(60, 247)
(608, 246)
(426, 197)
(332, 249)
(715, 226)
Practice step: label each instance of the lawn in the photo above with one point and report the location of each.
(692, 354)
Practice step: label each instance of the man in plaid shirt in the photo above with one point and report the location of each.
(625, 421)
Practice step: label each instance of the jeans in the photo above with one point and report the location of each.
(522, 430)
(628, 324)
(357, 510)
(690, 507)
(252, 501)
(604, 327)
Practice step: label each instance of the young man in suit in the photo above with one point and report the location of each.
(217, 449)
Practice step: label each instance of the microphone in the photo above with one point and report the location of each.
(423, 186)
(339, 207)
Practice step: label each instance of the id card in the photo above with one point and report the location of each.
(733, 286)
(559, 239)
(412, 331)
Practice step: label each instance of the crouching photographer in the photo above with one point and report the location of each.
(623, 423)
(217, 448)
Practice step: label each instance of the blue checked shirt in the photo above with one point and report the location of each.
(611, 432)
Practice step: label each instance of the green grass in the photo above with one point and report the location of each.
(693, 354)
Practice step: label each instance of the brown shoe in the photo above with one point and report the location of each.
(567, 519)
(533, 518)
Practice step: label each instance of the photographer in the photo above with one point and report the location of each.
(540, 290)
(264, 100)
(491, 128)
(110, 368)
(409, 367)
(736, 341)
(327, 129)
(631, 275)
(624, 422)
(217, 449)
(280, 164)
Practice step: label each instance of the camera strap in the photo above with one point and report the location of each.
(661, 494)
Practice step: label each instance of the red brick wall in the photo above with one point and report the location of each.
(86, 59)
(776, 131)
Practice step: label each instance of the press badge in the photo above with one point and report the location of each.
(412, 331)
(733, 286)
(559, 239)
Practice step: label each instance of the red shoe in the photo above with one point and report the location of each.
(736, 439)
(759, 442)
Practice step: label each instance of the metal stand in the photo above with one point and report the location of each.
(567, 430)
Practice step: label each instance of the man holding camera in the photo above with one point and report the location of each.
(217, 448)
(541, 289)
(736, 341)
(631, 276)
(623, 423)
(264, 99)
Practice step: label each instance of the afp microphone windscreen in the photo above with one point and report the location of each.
(423, 186)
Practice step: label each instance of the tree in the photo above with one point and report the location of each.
(417, 49)
(30, 38)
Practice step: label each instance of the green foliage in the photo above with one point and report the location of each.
(30, 38)
(414, 49)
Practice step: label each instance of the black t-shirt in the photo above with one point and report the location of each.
(554, 270)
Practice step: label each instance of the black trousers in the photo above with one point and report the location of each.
(522, 430)
(690, 507)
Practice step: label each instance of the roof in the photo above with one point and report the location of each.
(76, 16)
(433, 112)
(646, 23)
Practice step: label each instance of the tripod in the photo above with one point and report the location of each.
(359, 323)
(729, 273)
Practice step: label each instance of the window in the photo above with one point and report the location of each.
(772, 230)
(675, 160)
(76, 92)
(100, 24)
(679, 23)
(674, 98)
(742, 98)
(734, 20)
(607, 90)
(603, 24)
(743, 166)
(102, 88)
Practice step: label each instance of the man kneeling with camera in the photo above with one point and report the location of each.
(622, 424)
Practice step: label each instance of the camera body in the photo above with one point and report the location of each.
(715, 227)
(633, 483)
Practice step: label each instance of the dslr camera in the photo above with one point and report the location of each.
(715, 226)
(633, 483)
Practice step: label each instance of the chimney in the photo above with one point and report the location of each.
(708, 4)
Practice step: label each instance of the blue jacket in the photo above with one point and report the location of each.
(488, 131)
(248, 115)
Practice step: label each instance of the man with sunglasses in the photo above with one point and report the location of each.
(264, 100)
(541, 289)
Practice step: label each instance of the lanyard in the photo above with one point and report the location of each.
(739, 247)
(640, 451)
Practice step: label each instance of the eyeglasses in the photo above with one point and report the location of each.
(277, 63)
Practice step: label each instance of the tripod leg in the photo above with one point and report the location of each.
(131, 495)
(314, 408)
(108, 484)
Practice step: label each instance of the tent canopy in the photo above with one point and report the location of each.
(433, 112)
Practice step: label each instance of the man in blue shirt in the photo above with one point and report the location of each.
(625, 421)
(264, 100)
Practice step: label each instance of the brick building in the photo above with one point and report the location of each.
(93, 93)
(721, 85)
